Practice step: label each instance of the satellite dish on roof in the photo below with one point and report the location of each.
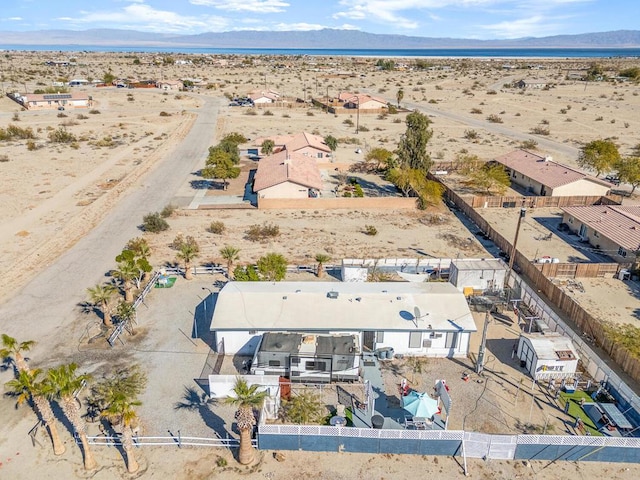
(417, 315)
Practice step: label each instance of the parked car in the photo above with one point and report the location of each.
(612, 179)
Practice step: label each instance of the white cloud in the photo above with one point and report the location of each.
(258, 6)
(144, 17)
(536, 26)
(15, 19)
(284, 27)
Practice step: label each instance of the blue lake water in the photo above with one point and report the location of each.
(430, 52)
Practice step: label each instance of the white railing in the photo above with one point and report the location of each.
(176, 441)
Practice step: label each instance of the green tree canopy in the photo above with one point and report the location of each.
(331, 142)
(220, 165)
(272, 267)
(399, 96)
(267, 147)
(491, 179)
(599, 155)
(628, 169)
(412, 149)
(382, 157)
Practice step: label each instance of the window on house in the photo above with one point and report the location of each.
(319, 154)
(570, 219)
(315, 366)
(596, 234)
(622, 252)
(379, 337)
(415, 339)
(274, 363)
(452, 340)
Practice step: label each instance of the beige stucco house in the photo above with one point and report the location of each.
(612, 229)
(303, 143)
(361, 101)
(542, 176)
(170, 85)
(53, 101)
(287, 175)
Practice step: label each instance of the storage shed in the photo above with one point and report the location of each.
(484, 275)
(547, 356)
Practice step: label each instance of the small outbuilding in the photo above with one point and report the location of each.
(479, 275)
(547, 356)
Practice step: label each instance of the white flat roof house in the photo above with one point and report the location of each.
(381, 314)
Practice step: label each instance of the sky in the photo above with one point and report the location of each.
(479, 19)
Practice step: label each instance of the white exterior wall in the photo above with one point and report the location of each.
(477, 279)
(262, 100)
(581, 187)
(312, 152)
(285, 190)
(240, 342)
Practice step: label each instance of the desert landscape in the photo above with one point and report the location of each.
(58, 202)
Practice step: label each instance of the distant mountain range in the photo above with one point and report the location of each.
(326, 39)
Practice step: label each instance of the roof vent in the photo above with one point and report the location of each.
(332, 294)
(548, 158)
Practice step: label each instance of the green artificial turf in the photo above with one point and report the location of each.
(576, 411)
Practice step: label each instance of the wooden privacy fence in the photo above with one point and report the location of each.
(536, 275)
(541, 202)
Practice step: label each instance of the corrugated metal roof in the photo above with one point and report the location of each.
(618, 223)
(544, 171)
(357, 306)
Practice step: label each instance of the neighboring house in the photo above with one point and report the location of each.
(78, 82)
(361, 101)
(53, 101)
(542, 176)
(547, 356)
(287, 175)
(302, 143)
(613, 229)
(170, 85)
(380, 314)
(529, 83)
(262, 97)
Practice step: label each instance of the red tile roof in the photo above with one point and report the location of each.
(287, 167)
(620, 224)
(296, 142)
(544, 170)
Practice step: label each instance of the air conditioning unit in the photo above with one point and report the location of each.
(332, 294)
(426, 344)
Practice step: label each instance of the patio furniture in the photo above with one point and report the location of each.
(337, 421)
(377, 421)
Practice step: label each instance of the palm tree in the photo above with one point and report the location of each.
(321, 258)
(66, 383)
(246, 398)
(267, 147)
(399, 96)
(126, 313)
(26, 386)
(189, 250)
(12, 349)
(101, 296)
(127, 273)
(121, 410)
(230, 254)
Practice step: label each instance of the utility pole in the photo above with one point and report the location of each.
(483, 343)
(512, 255)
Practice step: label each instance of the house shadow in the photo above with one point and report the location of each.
(372, 189)
(194, 401)
(502, 349)
(202, 317)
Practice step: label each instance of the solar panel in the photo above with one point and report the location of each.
(57, 96)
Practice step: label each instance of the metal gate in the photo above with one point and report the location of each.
(497, 447)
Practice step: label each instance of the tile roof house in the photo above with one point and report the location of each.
(303, 143)
(170, 84)
(261, 96)
(612, 229)
(361, 101)
(542, 176)
(287, 175)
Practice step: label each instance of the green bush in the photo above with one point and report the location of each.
(61, 135)
(246, 274)
(358, 191)
(168, 210)
(257, 233)
(154, 223)
(370, 230)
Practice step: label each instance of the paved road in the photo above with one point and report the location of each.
(47, 306)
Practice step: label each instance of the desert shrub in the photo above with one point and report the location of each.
(476, 111)
(544, 121)
(217, 227)
(221, 462)
(471, 135)
(348, 122)
(392, 109)
(529, 145)
(493, 118)
(397, 120)
(4, 158)
(370, 230)
(14, 132)
(362, 128)
(94, 112)
(251, 111)
(492, 92)
(165, 114)
(540, 130)
(257, 233)
(31, 145)
(357, 191)
(433, 100)
(167, 211)
(61, 135)
(286, 115)
(81, 116)
(268, 113)
(310, 113)
(347, 194)
(246, 274)
(62, 115)
(154, 223)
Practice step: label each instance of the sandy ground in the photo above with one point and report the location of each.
(67, 191)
